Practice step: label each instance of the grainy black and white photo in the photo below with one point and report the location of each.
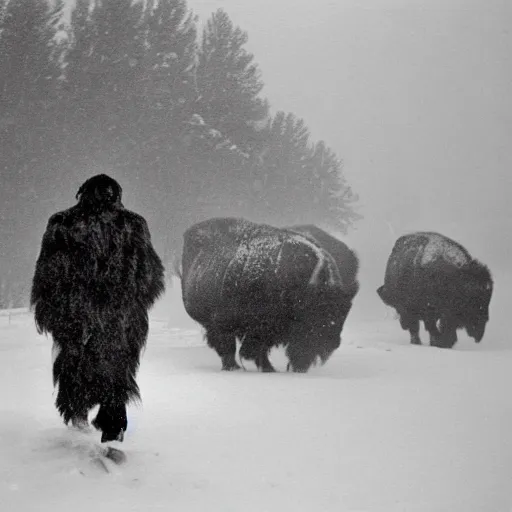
(255, 255)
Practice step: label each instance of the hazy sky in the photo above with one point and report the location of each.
(414, 96)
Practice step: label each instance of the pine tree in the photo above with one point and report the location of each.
(229, 83)
(332, 201)
(103, 68)
(165, 89)
(300, 182)
(165, 99)
(169, 61)
(30, 69)
(221, 131)
(107, 47)
(28, 62)
(278, 176)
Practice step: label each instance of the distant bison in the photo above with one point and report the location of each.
(432, 278)
(265, 286)
(96, 277)
(346, 259)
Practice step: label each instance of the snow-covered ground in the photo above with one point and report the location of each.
(384, 426)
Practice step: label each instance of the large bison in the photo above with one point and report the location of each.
(432, 278)
(96, 276)
(265, 286)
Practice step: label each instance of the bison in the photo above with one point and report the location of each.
(265, 286)
(95, 279)
(432, 278)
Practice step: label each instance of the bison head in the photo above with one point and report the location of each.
(477, 316)
(477, 293)
(384, 296)
(317, 333)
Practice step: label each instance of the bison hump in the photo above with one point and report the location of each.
(278, 260)
(439, 247)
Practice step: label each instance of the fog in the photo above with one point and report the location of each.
(414, 96)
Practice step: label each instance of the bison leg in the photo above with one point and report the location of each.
(224, 343)
(448, 336)
(301, 354)
(112, 421)
(431, 326)
(300, 361)
(411, 322)
(254, 349)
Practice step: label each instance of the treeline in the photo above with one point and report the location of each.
(132, 89)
